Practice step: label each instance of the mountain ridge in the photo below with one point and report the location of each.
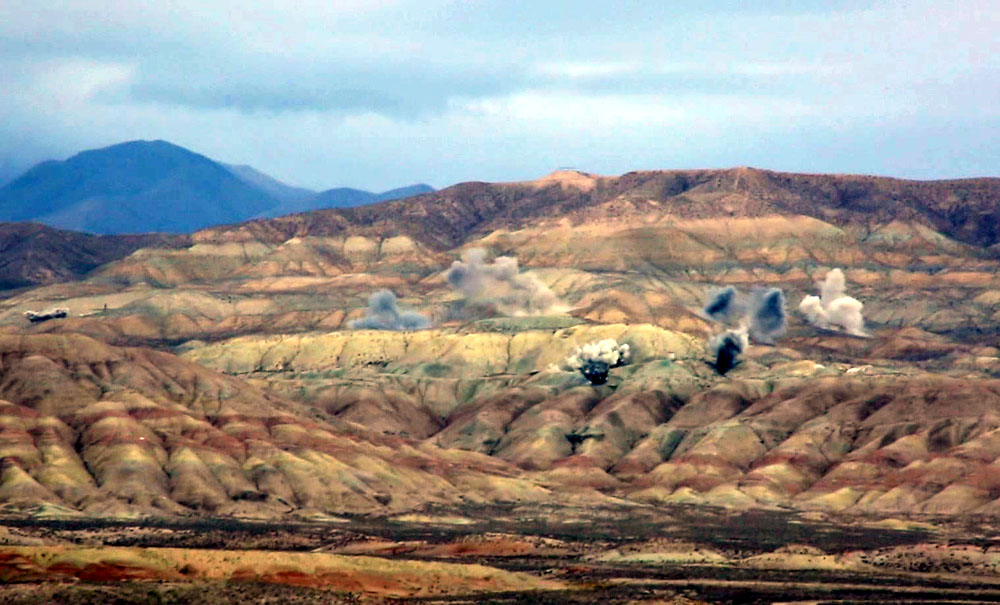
(138, 186)
(965, 209)
(343, 197)
(33, 254)
(156, 186)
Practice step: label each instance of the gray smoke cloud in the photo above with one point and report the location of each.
(383, 313)
(763, 312)
(768, 317)
(833, 309)
(727, 347)
(501, 283)
(725, 305)
(595, 359)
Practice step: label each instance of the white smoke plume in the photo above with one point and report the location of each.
(595, 359)
(40, 316)
(832, 309)
(383, 313)
(502, 284)
(726, 348)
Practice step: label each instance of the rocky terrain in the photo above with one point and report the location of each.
(34, 255)
(223, 379)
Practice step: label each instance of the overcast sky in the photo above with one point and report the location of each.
(381, 93)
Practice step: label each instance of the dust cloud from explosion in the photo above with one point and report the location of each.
(500, 283)
(833, 309)
(595, 359)
(762, 315)
(384, 313)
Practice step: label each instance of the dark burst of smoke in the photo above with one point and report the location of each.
(383, 313)
(726, 349)
(724, 305)
(768, 318)
(595, 371)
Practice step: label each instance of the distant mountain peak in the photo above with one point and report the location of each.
(143, 186)
(282, 192)
(131, 187)
(569, 178)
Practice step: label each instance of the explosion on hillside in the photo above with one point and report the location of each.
(501, 284)
(40, 316)
(383, 313)
(727, 347)
(725, 305)
(595, 359)
(768, 318)
(833, 309)
(763, 312)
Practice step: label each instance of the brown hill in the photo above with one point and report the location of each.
(966, 210)
(779, 430)
(633, 258)
(86, 427)
(32, 254)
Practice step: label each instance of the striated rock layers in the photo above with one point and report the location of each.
(223, 377)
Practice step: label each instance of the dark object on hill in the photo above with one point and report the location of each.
(595, 359)
(726, 348)
(40, 316)
(596, 372)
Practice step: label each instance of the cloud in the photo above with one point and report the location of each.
(768, 317)
(378, 94)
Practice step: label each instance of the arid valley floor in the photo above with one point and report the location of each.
(207, 426)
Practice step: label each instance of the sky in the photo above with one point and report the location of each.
(382, 93)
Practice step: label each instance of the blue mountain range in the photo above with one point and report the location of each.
(156, 186)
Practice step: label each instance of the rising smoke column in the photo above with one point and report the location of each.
(727, 347)
(768, 318)
(595, 359)
(763, 312)
(383, 313)
(761, 315)
(500, 283)
(833, 309)
(725, 305)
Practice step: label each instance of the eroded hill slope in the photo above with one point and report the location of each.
(106, 431)
(902, 422)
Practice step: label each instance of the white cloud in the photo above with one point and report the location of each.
(583, 69)
(378, 94)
